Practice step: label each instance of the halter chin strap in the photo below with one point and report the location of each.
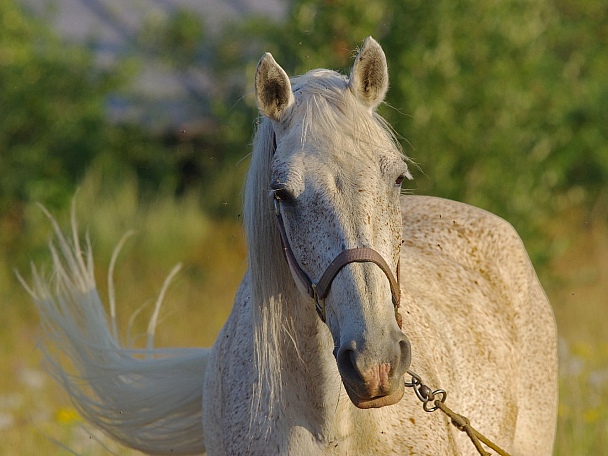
(320, 289)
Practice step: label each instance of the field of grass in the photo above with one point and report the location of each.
(34, 412)
(579, 294)
(36, 418)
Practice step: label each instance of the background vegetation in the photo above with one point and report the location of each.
(501, 104)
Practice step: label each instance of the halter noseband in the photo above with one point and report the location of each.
(319, 290)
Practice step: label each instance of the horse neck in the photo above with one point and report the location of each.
(308, 345)
(310, 377)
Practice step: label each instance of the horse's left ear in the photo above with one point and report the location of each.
(369, 76)
(272, 88)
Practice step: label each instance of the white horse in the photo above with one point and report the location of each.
(348, 282)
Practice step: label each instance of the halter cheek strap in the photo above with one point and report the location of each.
(320, 289)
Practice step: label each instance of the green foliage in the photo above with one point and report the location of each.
(52, 111)
(54, 127)
(53, 119)
(178, 38)
(501, 103)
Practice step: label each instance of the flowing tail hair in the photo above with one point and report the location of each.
(148, 399)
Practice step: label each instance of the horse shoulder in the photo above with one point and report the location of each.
(478, 290)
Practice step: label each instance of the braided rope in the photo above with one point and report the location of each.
(462, 423)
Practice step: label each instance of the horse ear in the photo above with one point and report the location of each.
(272, 88)
(369, 76)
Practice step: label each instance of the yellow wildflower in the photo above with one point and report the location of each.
(67, 415)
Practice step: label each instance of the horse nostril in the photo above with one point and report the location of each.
(405, 353)
(346, 363)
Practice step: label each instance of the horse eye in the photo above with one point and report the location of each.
(281, 193)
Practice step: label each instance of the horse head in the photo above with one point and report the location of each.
(336, 179)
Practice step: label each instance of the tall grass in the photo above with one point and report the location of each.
(579, 294)
(35, 414)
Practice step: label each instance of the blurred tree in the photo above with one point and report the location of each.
(51, 111)
(177, 38)
(490, 102)
(502, 103)
(53, 119)
(54, 125)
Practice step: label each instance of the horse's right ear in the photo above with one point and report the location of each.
(272, 88)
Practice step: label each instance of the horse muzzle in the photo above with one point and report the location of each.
(376, 402)
(372, 384)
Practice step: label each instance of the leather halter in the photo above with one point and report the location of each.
(320, 289)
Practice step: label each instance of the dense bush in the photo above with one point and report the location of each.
(54, 122)
(51, 111)
(501, 104)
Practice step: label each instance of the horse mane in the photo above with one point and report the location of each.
(266, 278)
(326, 106)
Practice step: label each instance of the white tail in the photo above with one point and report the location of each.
(149, 399)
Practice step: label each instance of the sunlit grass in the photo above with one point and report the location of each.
(37, 418)
(583, 409)
(35, 415)
(580, 301)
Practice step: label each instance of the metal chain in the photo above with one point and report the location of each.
(424, 393)
(435, 399)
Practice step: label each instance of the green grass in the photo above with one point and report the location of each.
(35, 414)
(34, 411)
(579, 296)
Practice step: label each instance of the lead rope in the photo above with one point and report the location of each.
(428, 396)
